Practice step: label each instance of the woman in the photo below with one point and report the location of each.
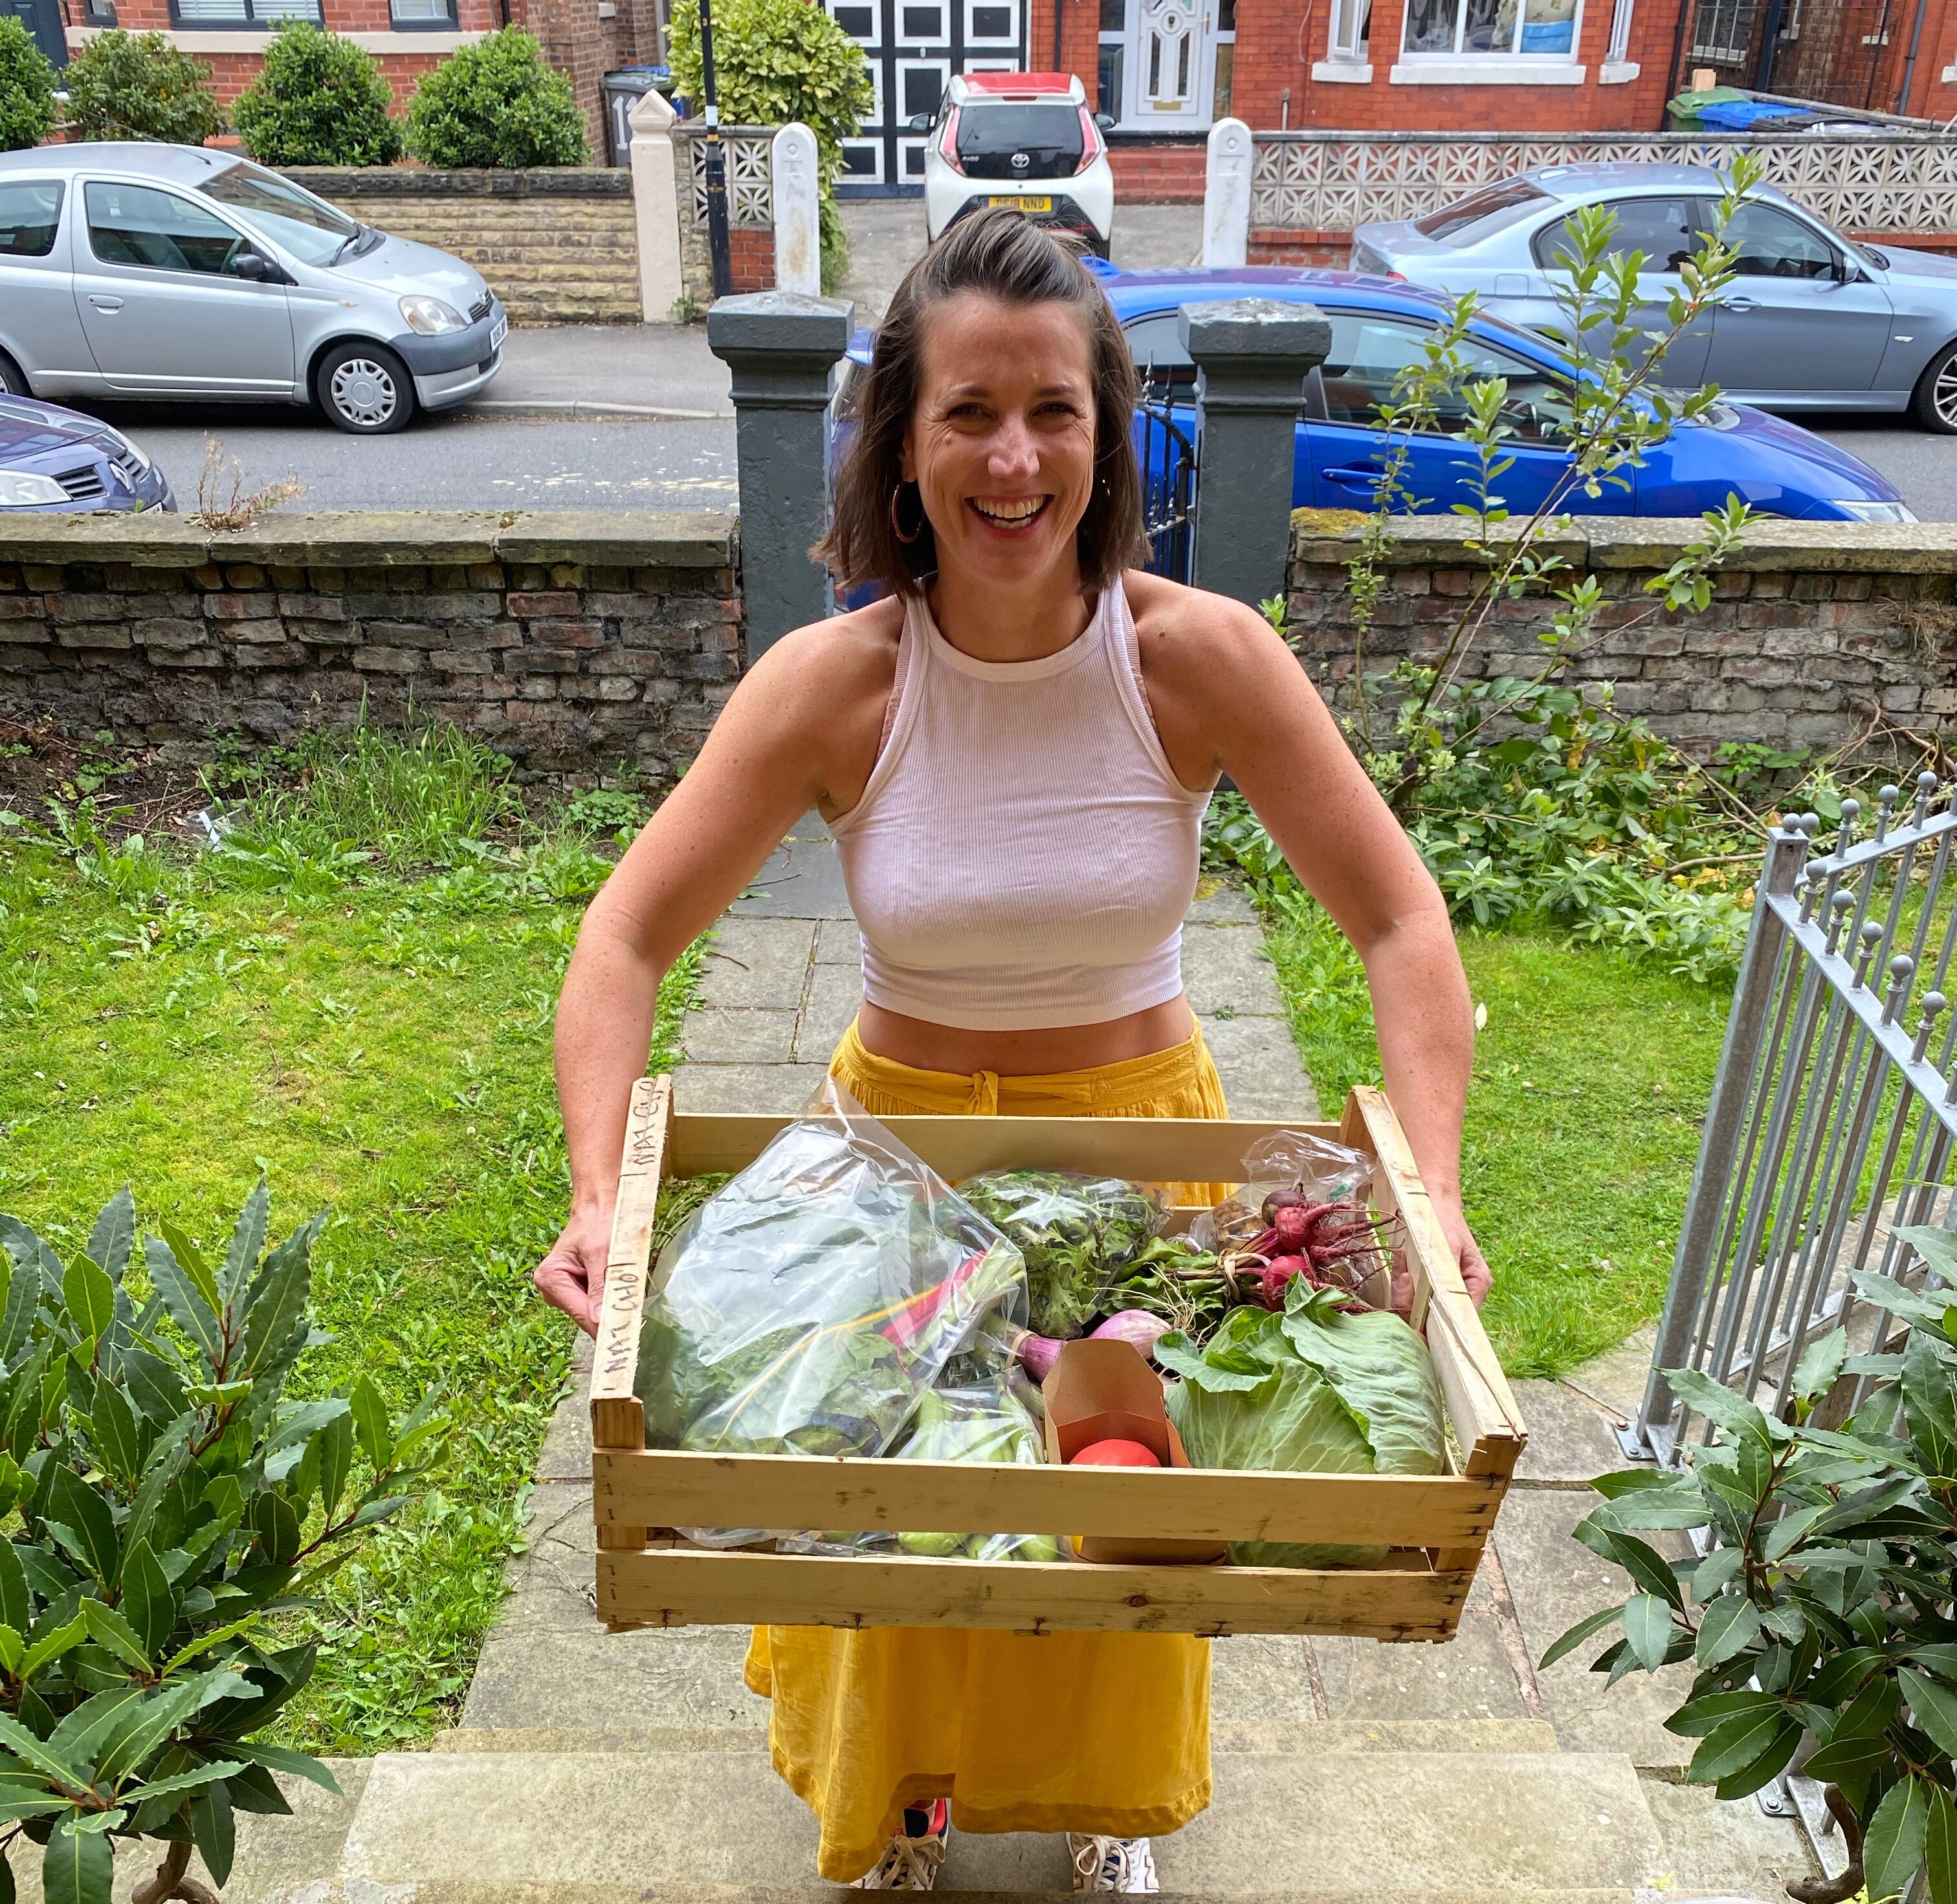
(1013, 751)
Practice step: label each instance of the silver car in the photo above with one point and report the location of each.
(1813, 320)
(167, 270)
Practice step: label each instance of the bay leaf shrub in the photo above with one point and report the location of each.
(162, 1502)
(125, 85)
(1821, 1619)
(498, 103)
(27, 88)
(319, 99)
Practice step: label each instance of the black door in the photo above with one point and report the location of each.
(914, 47)
(43, 19)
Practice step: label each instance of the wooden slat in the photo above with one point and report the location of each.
(1485, 1412)
(649, 1488)
(617, 1419)
(1154, 1150)
(681, 1586)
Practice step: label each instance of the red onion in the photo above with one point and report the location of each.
(1135, 1326)
(1037, 1354)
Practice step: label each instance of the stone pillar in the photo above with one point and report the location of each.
(798, 212)
(781, 347)
(1226, 196)
(1251, 357)
(656, 205)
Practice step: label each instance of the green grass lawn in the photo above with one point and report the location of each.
(1591, 1075)
(372, 1037)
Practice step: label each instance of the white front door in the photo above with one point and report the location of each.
(1171, 63)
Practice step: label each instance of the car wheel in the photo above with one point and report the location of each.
(13, 382)
(365, 389)
(1934, 404)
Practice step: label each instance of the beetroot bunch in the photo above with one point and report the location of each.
(1335, 1245)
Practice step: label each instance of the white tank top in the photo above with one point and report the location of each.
(1024, 854)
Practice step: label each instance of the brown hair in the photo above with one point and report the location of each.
(1000, 253)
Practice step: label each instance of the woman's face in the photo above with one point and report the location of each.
(1001, 443)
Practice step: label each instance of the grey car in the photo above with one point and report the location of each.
(138, 270)
(1813, 320)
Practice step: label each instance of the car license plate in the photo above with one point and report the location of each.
(497, 336)
(1024, 204)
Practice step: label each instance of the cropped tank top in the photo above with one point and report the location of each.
(1024, 854)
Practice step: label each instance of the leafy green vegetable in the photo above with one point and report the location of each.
(1076, 1233)
(1314, 1390)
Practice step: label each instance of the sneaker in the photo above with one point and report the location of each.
(910, 1863)
(1112, 1863)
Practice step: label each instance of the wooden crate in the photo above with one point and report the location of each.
(647, 1576)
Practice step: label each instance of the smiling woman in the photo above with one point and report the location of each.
(1013, 750)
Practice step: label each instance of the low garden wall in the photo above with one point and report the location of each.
(1818, 634)
(557, 245)
(569, 642)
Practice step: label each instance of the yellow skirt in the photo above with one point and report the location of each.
(1066, 1731)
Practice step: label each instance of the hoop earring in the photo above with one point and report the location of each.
(897, 527)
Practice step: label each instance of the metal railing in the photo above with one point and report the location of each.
(1167, 458)
(1328, 182)
(1832, 1121)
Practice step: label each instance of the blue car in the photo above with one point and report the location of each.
(1378, 326)
(51, 458)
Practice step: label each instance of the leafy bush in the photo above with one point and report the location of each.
(775, 61)
(497, 103)
(170, 1500)
(1820, 1616)
(137, 86)
(27, 88)
(319, 100)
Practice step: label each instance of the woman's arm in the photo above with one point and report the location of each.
(788, 734)
(1229, 696)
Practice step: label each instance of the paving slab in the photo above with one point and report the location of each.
(1571, 1439)
(1225, 968)
(1419, 1823)
(838, 941)
(1263, 1076)
(739, 1034)
(1555, 1582)
(1470, 1677)
(780, 1090)
(758, 962)
(803, 879)
(835, 995)
(1730, 1848)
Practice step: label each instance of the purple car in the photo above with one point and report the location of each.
(51, 458)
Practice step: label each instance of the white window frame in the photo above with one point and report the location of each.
(1347, 58)
(1460, 66)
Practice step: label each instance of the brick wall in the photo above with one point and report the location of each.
(1158, 175)
(570, 643)
(1817, 632)
(558, 245)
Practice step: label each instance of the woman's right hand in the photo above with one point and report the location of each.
(572, 1276)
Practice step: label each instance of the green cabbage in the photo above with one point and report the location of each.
(1316, 1389)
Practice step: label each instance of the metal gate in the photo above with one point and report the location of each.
(1832, 1120)
(1167, 456)
(914, 47)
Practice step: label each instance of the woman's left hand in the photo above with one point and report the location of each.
(1474, 1272)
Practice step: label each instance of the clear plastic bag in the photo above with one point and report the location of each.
(984, 1410)
(1077, 1233)
(1291, 1164)
(807, 1306)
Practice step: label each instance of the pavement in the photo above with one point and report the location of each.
(591, 1768)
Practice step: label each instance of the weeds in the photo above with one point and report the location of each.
(215, 510)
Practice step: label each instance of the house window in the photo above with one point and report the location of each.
(195, 13)
(1472, 29)
(1114, 44)
(99, 13)
(1619, 47)
(1351, 25)
(1225, 39)
(421, 14)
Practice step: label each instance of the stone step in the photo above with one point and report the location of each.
(1226, 1736)
(1306, 1826)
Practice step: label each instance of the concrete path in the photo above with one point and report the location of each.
(783, 979)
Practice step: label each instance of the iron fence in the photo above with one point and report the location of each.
(1167, 456)
(1832, 1120)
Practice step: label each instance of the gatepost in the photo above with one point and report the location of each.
(781, 347)
(1252, 356)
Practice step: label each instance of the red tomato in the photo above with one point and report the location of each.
(1115, 1454)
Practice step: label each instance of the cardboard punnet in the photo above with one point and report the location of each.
(1100, 1390)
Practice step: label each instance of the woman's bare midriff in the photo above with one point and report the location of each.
(926, 1047)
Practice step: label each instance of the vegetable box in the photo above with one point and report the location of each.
(1434, 1526)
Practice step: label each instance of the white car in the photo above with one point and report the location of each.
(1025, 140)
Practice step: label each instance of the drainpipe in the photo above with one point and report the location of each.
(1058, 7)
(1686, 9)
(1909, 64)
(1770, 45)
